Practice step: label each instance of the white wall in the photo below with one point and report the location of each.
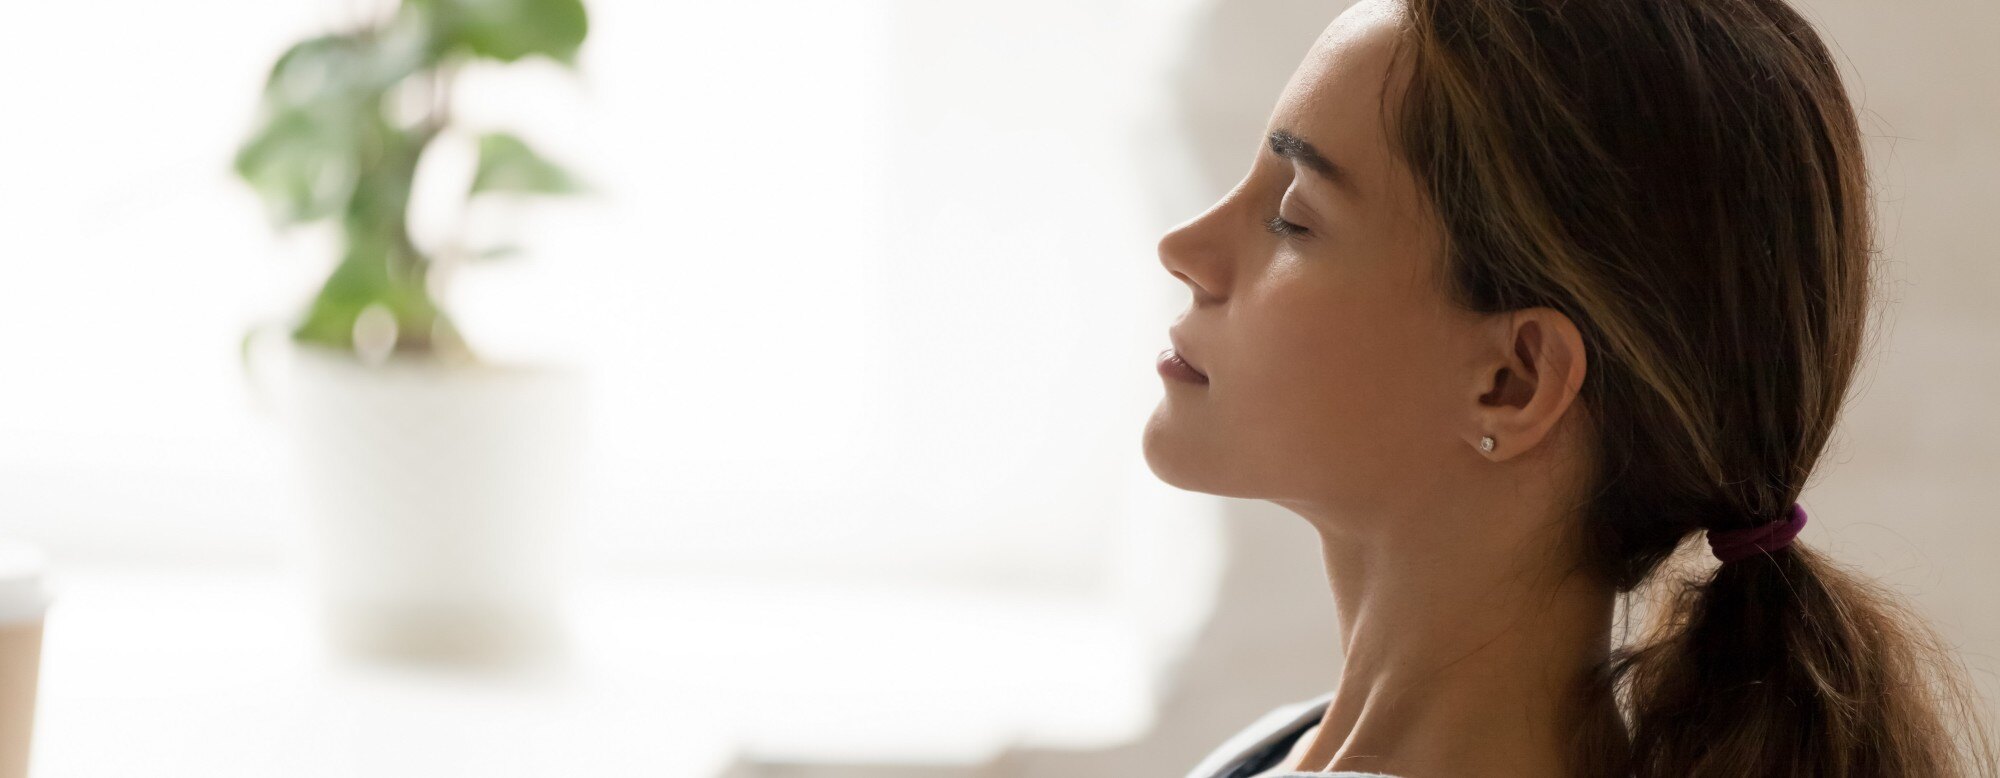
(865, 287)
(1907, 491)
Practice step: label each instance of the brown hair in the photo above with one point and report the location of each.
(1684, 179)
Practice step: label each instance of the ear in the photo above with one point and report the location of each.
(1535, 372)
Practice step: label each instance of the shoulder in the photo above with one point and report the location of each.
(1341, 774)
(1267, 728)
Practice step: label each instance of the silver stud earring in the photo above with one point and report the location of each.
(1486, 443)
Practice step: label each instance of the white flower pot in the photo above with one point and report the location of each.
(440, 499)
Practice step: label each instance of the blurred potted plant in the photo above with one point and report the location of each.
(437, 479)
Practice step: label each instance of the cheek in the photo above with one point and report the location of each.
(1344, 385)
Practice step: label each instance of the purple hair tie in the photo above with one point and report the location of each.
(1731, 545)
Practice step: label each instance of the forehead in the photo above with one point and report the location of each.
(1334, 98)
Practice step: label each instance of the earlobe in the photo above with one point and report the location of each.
(1538, 375)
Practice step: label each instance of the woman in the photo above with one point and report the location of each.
(1518, 298)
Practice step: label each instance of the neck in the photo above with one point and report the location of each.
(1468, 646)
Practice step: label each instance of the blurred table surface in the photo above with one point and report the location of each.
(220, 673)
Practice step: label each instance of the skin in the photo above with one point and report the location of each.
(1345, 387)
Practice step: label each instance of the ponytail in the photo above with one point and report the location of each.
(1786, 664)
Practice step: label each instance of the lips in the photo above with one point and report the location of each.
(1180, 350)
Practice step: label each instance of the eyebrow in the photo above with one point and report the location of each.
(1289, 146)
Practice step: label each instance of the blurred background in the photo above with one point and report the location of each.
(773, 404)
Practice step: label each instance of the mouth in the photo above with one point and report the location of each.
(1173, 368)
(1174, 362)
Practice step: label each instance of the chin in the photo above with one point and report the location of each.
(1160, 447)
(1175, 459)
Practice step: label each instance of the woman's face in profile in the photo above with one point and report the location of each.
(1338, 375)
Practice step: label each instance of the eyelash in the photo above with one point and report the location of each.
(1277, 225)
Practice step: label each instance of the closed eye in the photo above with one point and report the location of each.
(1277, 225)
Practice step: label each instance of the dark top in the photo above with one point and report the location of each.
(1267, 741)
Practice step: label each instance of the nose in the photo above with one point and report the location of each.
(1195, 253)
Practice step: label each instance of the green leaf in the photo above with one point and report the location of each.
(302, 163)
(508, 30)
(322, 108)
(360, 281)
(305, 69)
(352, 69)
(507, 164)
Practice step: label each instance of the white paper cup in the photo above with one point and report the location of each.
(24, 601)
